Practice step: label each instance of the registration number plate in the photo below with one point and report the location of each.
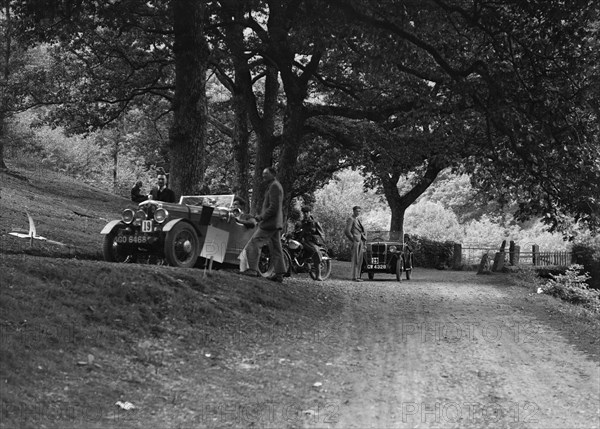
(376, 267)
(131, 239)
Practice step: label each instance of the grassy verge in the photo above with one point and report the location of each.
(580, 324)
(76, 334)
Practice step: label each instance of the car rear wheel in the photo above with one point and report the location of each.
(399, 269)
(181, 246)
(113, 251)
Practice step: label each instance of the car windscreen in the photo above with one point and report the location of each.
(207, 200)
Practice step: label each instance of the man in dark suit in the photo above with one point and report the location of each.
(357, 235)
(161, 192)
(270, 224)
(311, 234)
(136, 193)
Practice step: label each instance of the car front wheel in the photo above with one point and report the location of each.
(113, 251)
(181, 246)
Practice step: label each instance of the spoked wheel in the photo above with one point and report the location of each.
(325, 267)
(265, 268)
(265, 263)
(399, 269)
(181, 246)
(287, 260)
(116, 252)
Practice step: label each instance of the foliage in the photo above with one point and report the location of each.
(432, 220)
(431, 253)
(86, 158)
(572, 287)
(429, 218)
(587, 253)
(333, 205)
(506, 91)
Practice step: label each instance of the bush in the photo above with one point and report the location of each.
(587, 253)
(572, 287)
(432, 254)
(550, 271)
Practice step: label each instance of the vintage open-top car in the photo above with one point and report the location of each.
(387, 253)
(198, 227)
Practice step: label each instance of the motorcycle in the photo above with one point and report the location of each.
(300, 259)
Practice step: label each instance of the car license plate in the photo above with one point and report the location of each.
(376, 267)
(147, 226)
(132, 239)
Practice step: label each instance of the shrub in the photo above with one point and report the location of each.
(587, 253)
(550, 271)
(572, 287)
(432, 254)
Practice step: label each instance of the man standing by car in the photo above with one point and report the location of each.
(161, 192)
(270, 224)
(357, 235)
(136, 193)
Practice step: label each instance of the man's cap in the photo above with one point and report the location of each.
(162, 176)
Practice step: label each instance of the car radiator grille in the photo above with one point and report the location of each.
(378, 249)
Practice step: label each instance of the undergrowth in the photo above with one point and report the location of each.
(572, 287)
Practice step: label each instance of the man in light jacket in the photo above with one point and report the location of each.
(355, 232)
(270, 224)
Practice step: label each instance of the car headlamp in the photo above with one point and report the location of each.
(393, 249)
(127, 216)
(160, 215)
(140, 215)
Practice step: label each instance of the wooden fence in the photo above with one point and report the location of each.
(472, 255)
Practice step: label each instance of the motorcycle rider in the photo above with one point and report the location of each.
(310, 234)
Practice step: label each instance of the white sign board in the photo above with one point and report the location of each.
(215, 244)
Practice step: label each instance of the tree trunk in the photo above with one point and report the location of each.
(292, 136)
(187, 135)
(399, 203)
(241, 90)
(265, 128)
(115, 163)
(5, 76)
(2, 164)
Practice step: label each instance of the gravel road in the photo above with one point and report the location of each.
(449, 350)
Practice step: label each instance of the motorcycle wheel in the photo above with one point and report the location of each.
(287, 260)
(325, 267)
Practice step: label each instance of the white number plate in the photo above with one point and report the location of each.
(146, 226)
(375, 260)
(376, 267)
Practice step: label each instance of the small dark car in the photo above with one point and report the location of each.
(386, 253)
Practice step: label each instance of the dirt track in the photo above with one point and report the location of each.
(452, 349)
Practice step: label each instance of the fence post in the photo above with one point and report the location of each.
(535, 254)
(457, 260)
(514, 253)
(511, 253)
